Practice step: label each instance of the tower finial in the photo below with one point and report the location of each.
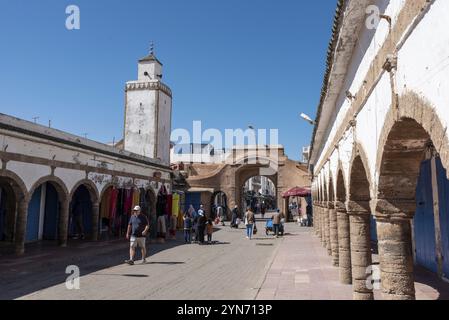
(152, 48)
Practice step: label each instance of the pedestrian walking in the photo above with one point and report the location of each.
(187, 228)
(201, 226)
(263, 209)
(277, 222)
(137, 231)
(235, 216)
(249, 222)
(221, 215)
(209, 230)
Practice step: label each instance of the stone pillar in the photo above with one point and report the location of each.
(327, 227)
(344, 244)
(333, 233)
(323, 225)
(22, 217)
(316, 219)
(95, 220)
(361, 261)
(395, 254)
(63, 223)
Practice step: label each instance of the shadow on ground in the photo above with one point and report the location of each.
(44, 265)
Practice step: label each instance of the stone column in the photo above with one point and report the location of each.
(333, 233)
(395, 252)
(327, 226)
(316, 219)
(323, 225)
(344, 244)
(95, 220)
(361, 261)
(63, 223)
(22, 217)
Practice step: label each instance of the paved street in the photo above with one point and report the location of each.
(293, 267)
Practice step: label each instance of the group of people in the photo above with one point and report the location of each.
(197, 225)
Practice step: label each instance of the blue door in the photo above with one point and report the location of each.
(32, 233)
(424, 223)
(443, 187)
(51, 218)
(194, 199)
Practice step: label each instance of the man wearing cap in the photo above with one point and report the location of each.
(137, 231)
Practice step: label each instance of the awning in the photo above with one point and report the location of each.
(297, 192)
(211, 190)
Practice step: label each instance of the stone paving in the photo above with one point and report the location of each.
(302, 270)
(233, 268)
(293, 267)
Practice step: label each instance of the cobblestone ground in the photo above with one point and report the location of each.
(294, 267)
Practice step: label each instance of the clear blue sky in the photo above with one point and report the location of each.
(230, 63)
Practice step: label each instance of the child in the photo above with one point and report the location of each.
(209, 231)
(187, 228)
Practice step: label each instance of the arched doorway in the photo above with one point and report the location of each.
(360, 224)
(44, 217)
(82, 220)
(219, 199)
(404, 189)
(12, 202)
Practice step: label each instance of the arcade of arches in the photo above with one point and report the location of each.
(49, 212)
(404, 217)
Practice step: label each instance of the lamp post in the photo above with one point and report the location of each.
(308, 119)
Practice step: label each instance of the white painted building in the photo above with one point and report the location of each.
(45, 173)
(383, 111)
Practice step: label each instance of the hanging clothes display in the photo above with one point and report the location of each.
(119, 212)
(113, 207)
(105, 210)
(143, 202)
(136, 197)
(161, 210)
(128, 202)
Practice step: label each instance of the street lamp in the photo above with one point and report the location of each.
(308, 119)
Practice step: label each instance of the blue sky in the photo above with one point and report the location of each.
(230, 63)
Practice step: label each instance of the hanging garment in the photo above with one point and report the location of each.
(169, 205)
(161, 227)
(175, 205)
(136, 197)
(113, 203)
(128, 202)
(105, 211)
(143, 202)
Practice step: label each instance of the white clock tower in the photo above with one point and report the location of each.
(148, 112)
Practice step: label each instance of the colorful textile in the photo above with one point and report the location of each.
(105, 211)
(136, 197)
(128, 202)
(176, 204)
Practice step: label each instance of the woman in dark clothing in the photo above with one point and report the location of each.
(235, 215)
(201, 228)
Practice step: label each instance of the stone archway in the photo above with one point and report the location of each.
(13, 201)
(56, 209)
(244, 174)
(403, 152)
(344, 240)
(85, 209)
(359, 212)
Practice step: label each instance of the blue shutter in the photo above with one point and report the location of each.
(443, 186)
(32, 231)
